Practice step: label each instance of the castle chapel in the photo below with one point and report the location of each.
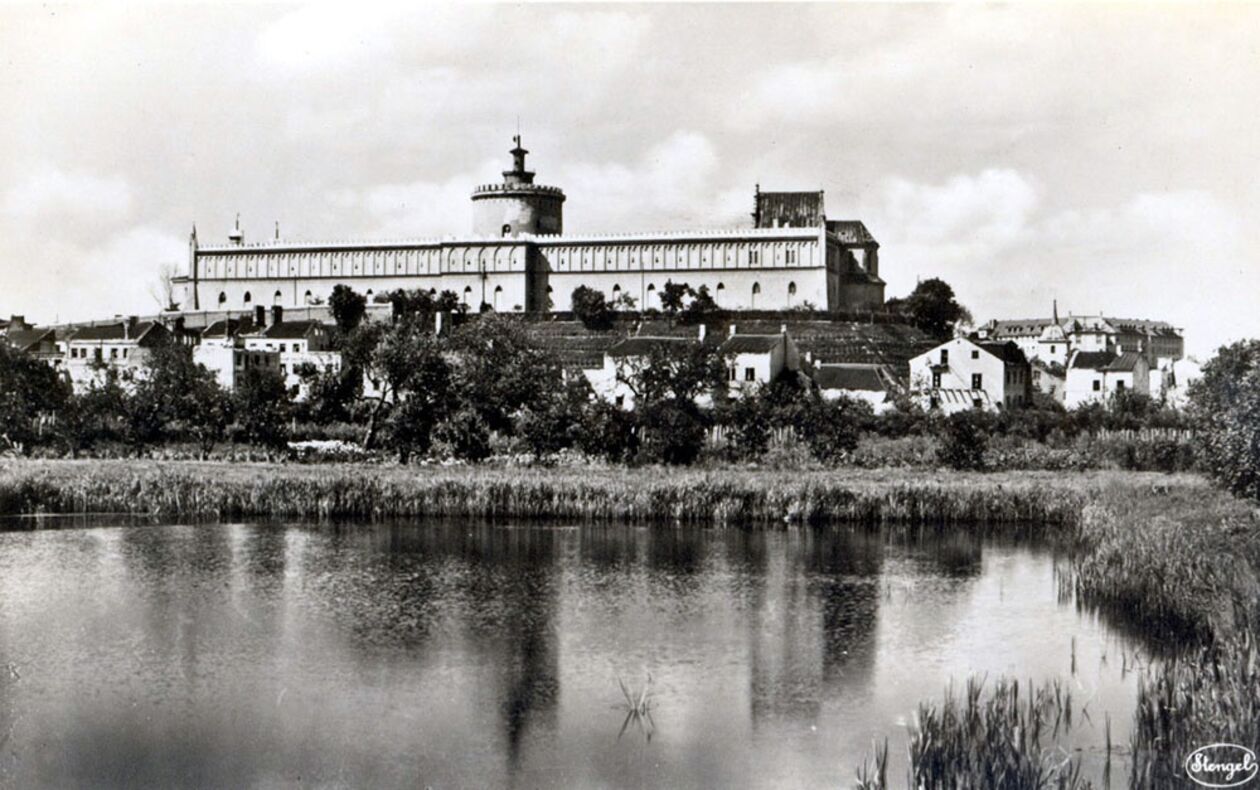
(518, 258)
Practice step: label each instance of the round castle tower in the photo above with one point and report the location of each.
(518, 205)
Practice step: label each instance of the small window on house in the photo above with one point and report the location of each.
(1119, 386)
(944, 356)
(124, 353)
(731, 374)
(282, 348)
(977, 381)
(790, 256)
(1052, 349)
(223, 296)
(754, 257)
(936, 381)
(1097, 385)
(113, 353)
(750, 374)
(621, 401)
(934, 403)
(975, 354)
(976, 403)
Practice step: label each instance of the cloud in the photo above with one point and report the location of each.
(1179, 255)
(49, 193)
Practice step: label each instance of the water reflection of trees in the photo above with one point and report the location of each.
(812, 622)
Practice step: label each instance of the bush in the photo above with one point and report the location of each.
(463, 435)
(672, 433)
(607, 432)
(1226, 406)
(747, 421)
(591, 308)
(832, 429)
(964, 438)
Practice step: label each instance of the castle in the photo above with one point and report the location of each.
(518, 259)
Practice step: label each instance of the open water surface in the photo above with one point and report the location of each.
(450, 655)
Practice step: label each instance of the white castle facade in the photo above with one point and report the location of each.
(518, 259)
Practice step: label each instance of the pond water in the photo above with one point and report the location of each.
(449, 655)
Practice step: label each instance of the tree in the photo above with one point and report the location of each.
(348, 307)
(96, 414)
(464, 435)
(31, 397)
(1225, 405)
(498, 370)
(832, 429)
(964, 439)
(262, 407)
(672, 297)
(330, 394)
(748, 421)
(931, 306)
(401, 360)
(554, 423)
(591, 308)
(667, 381)
(163, 289)
(701, 302)
(176, 396)
(608, 432)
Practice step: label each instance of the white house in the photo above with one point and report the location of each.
(756, 360)
(962, 374)
(1095, 376)
(124, 346)
(871, 383)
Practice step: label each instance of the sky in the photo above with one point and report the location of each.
(1100, 155)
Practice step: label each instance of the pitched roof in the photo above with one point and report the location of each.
(233, 326)
(850, 231)
(789, 209)
(642, 346)
(1020, 327)
(1006, 351)
(291, 330)
(751, 344)
(118, 331)
(1106, 361)
(866, 378)
(571, 342)
(23, 339)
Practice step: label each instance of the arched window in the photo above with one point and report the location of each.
(498, 290)
(507, 230)
(791, 289)
(467, 293)
(756, 289)
(308, 298)
(277, 298)
(719, 292)
(248, 298)
(222, 297)
(368, 296)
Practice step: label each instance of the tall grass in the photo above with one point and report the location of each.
(1022, 505)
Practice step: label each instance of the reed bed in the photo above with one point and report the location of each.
(1030, 505)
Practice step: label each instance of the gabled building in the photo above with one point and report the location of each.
(38, 342)
(873, 384)
(757, 360)
(124, 346)
(1049, 378)
(626, 357)
(1097, 376)
(961, 374)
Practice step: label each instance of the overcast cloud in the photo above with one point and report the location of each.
(1103, 156)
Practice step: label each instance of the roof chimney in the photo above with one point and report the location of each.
(277, 314)
(129, 328)
(18, 322)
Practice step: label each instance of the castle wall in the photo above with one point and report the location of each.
(742, 270)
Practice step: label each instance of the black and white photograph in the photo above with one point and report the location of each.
(657, 395)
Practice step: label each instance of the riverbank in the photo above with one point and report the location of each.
(1013, 503)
